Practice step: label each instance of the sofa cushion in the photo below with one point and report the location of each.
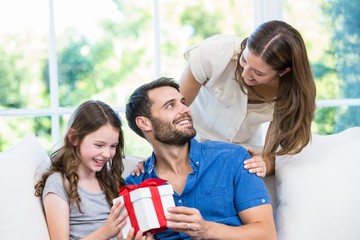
(22, 215)
(318, 189)
(130, 162)
(21, 211)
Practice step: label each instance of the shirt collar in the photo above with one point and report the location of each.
(151, 164)
(195, 153)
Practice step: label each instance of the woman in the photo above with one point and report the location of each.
(233, 86)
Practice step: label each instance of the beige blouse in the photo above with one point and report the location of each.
(220, 110)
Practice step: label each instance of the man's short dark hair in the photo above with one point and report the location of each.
(139, 103)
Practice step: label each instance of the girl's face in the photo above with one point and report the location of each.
(97, 148)
(256, 71)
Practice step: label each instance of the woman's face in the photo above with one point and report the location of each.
(256, 71)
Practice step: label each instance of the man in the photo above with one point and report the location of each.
(215, 197)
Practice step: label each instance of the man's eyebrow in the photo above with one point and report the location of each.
(167, 102)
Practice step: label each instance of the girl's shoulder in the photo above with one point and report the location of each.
(56, 179)
(54, 184)
(56, 176)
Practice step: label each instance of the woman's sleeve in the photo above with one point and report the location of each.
(209, 59)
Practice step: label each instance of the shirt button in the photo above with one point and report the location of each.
(197, 163)
(179, 201)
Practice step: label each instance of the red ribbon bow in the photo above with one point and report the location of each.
(152, 183)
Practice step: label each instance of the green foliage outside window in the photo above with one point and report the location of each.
(111, 66)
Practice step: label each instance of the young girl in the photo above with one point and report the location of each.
(84, 177)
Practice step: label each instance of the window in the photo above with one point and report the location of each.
(55, 56)
(330, 31)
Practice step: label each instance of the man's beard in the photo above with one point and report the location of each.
(167, 133)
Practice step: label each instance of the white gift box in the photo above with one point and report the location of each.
(142, 202)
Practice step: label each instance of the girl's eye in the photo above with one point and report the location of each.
(258, 73)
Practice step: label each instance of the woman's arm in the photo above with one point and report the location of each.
(260, 164)
(189, 87)
(269, 160)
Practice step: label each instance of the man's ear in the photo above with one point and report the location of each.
(143, 123)
(70, 136)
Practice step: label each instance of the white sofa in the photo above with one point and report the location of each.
(314, 193)
(21, 213)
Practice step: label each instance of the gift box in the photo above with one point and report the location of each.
(146, 205)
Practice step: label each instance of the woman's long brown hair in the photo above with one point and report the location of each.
(281, 46)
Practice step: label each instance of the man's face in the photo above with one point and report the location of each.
(171, 118)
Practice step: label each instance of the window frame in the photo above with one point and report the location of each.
(263, 10)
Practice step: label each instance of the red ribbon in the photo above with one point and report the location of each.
(152, 183)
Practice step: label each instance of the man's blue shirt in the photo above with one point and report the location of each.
(219, 186)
